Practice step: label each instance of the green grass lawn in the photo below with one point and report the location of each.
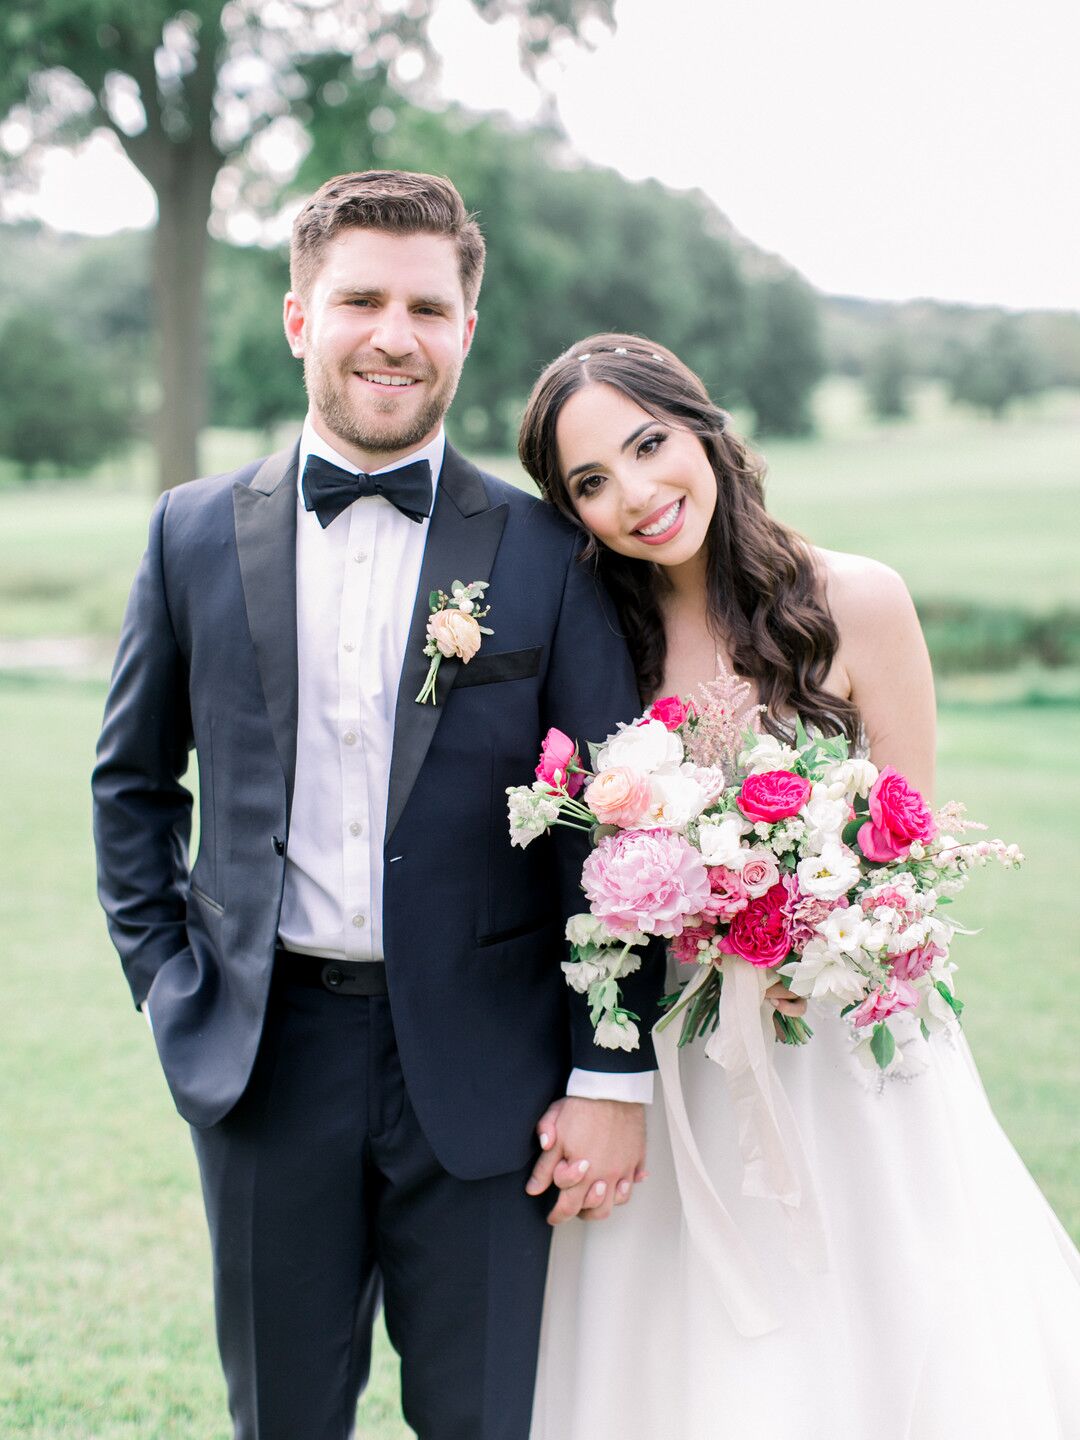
(105, 1312)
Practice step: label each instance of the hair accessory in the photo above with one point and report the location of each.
(620, 350)
(583, 358)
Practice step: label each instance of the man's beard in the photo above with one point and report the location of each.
(327, 390)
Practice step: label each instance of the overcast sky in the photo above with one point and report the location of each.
(885, 149)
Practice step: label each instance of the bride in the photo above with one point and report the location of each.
(944, 1298)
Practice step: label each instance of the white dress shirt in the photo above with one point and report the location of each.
(355, 585)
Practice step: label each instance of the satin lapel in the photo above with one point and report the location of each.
(265, 518)
(464, 536)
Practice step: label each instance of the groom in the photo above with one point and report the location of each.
(356, 993)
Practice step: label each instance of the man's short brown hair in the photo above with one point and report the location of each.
(401, 202)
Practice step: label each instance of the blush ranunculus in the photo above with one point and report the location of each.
(773, 795)
(651, 881)
(760, 872)
(455, 634)
(670, 711)
(898, 815)
(557, 753)
(886, 1000)
(618, 796)
(761, 933)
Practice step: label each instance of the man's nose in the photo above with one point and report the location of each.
(394, 334)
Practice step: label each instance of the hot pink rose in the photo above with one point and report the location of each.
(727, 894)
(773, 795)
(618, 796)
(557, 753)
(647, 880)
(669, 710)
(898, 815)
(913, 963)
(886, 1000)
(761, 933)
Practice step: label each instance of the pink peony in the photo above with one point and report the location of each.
(886, 1000)
(761, 933)
(898, 815)
(647, 880)
(914, 963)
(670, 711)
(727, 894)
(773, 795)
(557, 753)
(618, 796)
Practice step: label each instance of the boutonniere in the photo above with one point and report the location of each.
(454, 629)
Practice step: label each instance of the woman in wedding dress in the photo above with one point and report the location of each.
(920, 1287)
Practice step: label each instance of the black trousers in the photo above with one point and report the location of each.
(322, 1197)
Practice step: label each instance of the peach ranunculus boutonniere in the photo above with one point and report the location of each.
(454, 629)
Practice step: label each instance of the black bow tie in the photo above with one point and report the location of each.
(328, 489)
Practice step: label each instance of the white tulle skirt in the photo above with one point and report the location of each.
(949, 1308)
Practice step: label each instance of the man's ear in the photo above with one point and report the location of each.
(294, 318)
(470, 331)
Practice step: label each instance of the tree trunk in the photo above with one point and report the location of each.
(179, 266)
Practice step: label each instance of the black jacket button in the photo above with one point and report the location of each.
(278, 844)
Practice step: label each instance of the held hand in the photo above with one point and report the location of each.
(781, 998)
(594, 1150)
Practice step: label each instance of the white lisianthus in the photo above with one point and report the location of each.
(767, 753)
(822, 971)
(644, 749)
(676, 799)
(848, 778)
(615, 1032)
(830, 874)
(720, 841)
(531, 810)
(581, 974)
(825, 818)
(845, 929)
(586, 929)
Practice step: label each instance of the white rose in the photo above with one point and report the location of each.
(825, 818)
(830, 874)
(767, 753)
(616, 1034)
(720, 842)
(644, 749)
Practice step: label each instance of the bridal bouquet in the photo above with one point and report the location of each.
(801, 860)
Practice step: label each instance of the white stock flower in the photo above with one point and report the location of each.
(580, 974)
(830, 874)
(821, 971)
(676, 799)
(586, 929)
(767, 753)
(849, 778)
(644, 749)
(615, 1033)
(531, 810)
(720, 842)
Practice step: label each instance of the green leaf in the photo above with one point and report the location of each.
(433, 600)
(955, 1005)
(594, 752)
(802, 739)
(851, 831)
(882, 1045)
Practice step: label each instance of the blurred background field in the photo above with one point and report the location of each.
(939, 435)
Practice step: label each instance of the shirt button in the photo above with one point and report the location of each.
(359, 921)
(355, 828)
(349, 737)
(349, 646)
(360, 556)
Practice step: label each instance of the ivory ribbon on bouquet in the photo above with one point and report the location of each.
(774, 1163)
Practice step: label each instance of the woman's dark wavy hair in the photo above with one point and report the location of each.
(765, 592)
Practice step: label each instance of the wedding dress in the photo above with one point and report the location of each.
(938, 1299)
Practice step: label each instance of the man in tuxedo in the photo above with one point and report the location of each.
(356, 993)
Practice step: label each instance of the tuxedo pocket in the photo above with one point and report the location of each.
(509, 665)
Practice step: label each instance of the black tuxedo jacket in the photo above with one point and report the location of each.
(486, 1027)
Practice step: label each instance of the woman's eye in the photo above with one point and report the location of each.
(651, 443)
(589, 485)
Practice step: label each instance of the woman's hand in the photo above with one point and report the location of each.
(781, 998)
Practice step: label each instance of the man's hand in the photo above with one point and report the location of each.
(594, 1151)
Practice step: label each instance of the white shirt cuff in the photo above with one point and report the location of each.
(144, 1010)
(634, 1086)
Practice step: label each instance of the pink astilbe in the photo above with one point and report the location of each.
(724, 710)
